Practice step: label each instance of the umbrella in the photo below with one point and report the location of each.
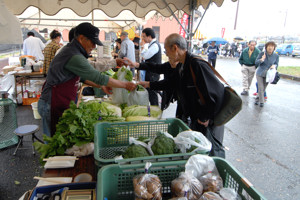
(238, 38)
(218, 40)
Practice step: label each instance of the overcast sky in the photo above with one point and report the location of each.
(255, 17)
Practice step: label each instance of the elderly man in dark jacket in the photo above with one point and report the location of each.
(202, 116)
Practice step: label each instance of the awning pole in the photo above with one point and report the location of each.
(175, 17)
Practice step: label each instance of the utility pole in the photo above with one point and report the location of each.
(236, 14)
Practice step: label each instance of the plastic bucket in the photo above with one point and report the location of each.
(36, 114)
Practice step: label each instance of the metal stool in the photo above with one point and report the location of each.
(27, 130)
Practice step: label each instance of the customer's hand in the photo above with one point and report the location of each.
(130, 86)
(205, 124)
(119, 62)
(145, 84)
(263, 57)
(131, 64)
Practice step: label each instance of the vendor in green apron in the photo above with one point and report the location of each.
(65, 70)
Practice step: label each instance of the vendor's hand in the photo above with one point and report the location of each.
(130, 86)
(119, 62)
(145, 84)
(263, 57)
(205, 124)
(106, 89)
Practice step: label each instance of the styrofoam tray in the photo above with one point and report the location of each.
(62, 179)
(51, 164)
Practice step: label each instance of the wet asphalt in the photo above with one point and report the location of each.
(263, 143)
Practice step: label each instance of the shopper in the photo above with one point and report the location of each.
(181, 80)
(265, 61)
(247, 61)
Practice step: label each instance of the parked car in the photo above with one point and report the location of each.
(260, 46)
(296, 51)
(284, 49)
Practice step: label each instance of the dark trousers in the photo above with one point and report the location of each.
(212, 62)
(214, 134)
(153, 98)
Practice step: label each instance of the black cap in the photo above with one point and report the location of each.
(89, 31)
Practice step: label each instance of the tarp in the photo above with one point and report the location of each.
(111, 8)
(9, 27)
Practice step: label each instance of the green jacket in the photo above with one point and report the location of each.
(244, 58)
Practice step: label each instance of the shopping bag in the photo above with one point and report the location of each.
(276, 79)
(232, 104)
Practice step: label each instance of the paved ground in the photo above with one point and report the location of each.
(263, 142)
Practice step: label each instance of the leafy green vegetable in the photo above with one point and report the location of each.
(128, 76)
(136, 110)
(192, 146)
(75, 127)
(134, 151)
(163, 145)
(139, 118)
(109, 73)
(140, 88)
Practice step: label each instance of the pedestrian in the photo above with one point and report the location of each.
(247, 61)
(65, 70)
(181, 81)
(212, 51)
(33, 46)
(51, 49)
(151, 55)
(265, 61)
(127, 49)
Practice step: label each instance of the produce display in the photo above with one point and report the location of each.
(186, 186)
(136, 110)
(163, 144)
(134, 151)
(76, 127)
(147, 187)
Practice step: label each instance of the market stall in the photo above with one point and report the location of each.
(124, 129)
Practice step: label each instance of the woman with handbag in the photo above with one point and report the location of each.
(265, 61)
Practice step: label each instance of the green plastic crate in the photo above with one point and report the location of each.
(106, 147)
(115, 181)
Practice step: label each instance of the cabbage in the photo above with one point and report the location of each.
(106, 108)
(136, 110)
(139, 118)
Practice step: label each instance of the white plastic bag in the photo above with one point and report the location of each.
(7, 83)
(139, 96)
(190, 141)
(120, 95)
(270, 75)
(82, 150)
(200, 165)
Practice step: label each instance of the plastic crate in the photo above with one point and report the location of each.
(106, 147)
(115, 181)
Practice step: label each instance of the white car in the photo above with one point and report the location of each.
(296, 51)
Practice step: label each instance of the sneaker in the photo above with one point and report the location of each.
(255, 94)
(266, 97)
(244, 93)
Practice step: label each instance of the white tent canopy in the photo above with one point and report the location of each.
(67, 18)
(111, 8)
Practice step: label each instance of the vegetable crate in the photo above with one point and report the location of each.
(115, 181)
(111, 138)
